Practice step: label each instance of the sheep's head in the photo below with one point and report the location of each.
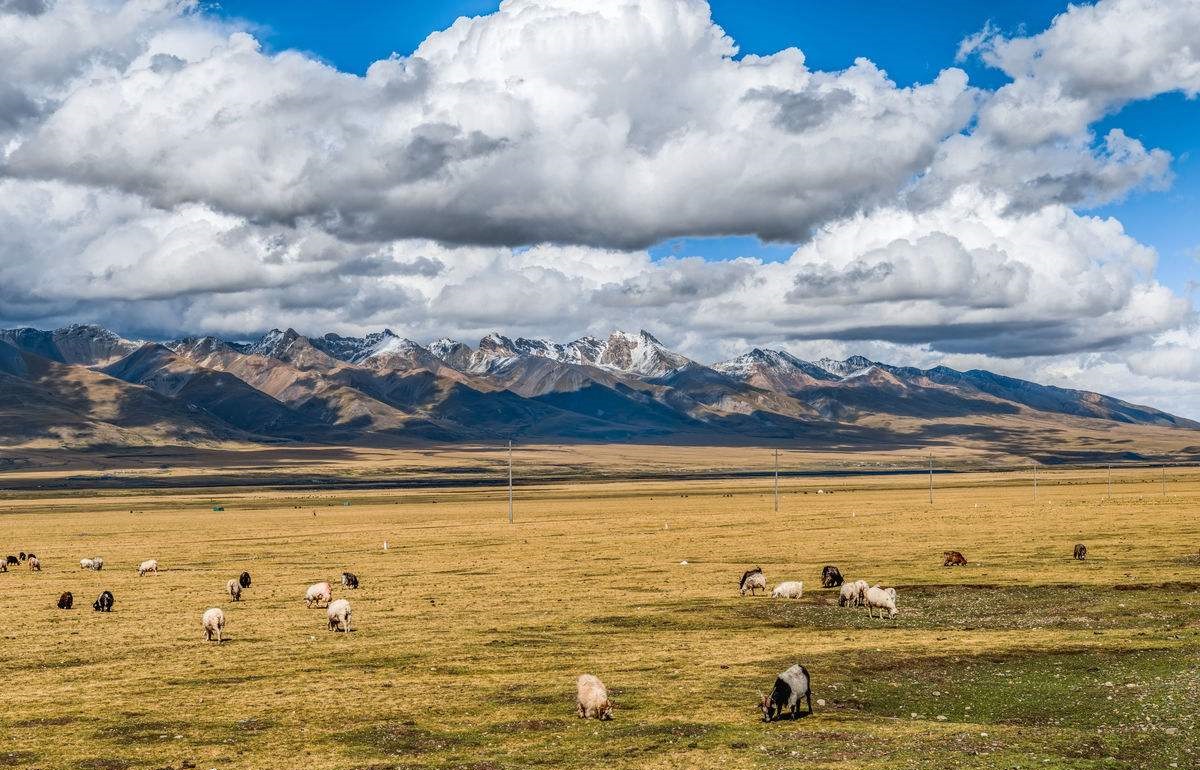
(767, 706)
(606, 710)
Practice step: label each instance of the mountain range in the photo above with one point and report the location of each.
(85, 386)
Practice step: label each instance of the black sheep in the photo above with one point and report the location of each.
(66, 601)
(104, 603)
(831, 576)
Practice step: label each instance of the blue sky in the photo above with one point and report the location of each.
(912, 41)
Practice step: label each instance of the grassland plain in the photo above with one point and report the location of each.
(470, 631)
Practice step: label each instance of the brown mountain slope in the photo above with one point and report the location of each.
(45, 403)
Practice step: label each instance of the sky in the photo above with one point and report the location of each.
(1004, 186)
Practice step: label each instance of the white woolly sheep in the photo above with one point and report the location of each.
(789, 589)
(214, 623)
(87, 564)
(752, 580)
(150, 565)
(339, 615)
(592, 698)
(881, 599)
(235, 590)
(97, 563)
(35, 565)
(317, 593)
(853, 594)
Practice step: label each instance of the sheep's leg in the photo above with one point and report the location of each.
(808, 697)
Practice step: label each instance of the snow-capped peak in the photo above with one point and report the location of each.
(850, 366)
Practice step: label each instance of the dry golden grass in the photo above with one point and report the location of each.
(470, 631)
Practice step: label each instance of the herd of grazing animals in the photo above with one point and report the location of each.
(592, 700)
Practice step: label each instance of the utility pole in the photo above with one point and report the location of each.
(1035, 481)
(1110, 481)
(931, 478)
(777, 481)
(1164, 479)
(510, 504)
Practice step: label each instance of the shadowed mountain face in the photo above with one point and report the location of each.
(84, 385)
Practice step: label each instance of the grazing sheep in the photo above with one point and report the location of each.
(97, 563)
(1080, 551)
(339, 615)
(150, 565)
(591, 698)
(30, 555)
(349, 580)
(881, 599)
(12, 561)
(788, 589)
(789, 687)
(21, 556)
(831, 576)
(66, 601)
(244, 580)
(3, 567)
(752, 580)
(954, 559)
(104, 603)
(853, 594)
(214, 623)
(317, 593)
(87, 564)
(34, 564)
(235, 590)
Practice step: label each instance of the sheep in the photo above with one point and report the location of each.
(853, 594)
(30, 555)
(150, 565)
(34, 564)
(66, 601)
(244, 580)
(104, 603)
(339, 615)
(591, 698)
(21, 556)
(831, 576)
(214, 623)
(12, 561)
(789, 589)
(881, 599)
(789, 687)
(317, 593)
(235, 590)
(3, 567)
(97, 563)
(87, 564)
(349, 580)
(1080, 551)
(954, 559)
(752, 580)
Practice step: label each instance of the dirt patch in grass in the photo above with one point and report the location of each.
(17, 758)
(103, 763)
(403, 739)
(138, 731)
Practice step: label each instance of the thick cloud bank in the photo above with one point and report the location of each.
(160, 172)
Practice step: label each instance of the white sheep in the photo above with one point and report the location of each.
(788, 589)
(235, 590)
(214, 623)
(853, 594)
(881, 599)
(97, 563)
(591, 698)
(752, 580)
(87, 564)
(35, 565)
(339, 615)
(150, 565)
(317, 593)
